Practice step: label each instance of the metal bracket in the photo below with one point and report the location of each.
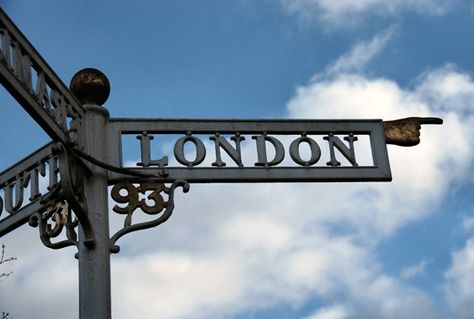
(152, 191)
(67, 197)
(60, 214)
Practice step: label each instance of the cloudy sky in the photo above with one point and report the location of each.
(403, 249)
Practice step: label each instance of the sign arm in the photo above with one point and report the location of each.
(50, 211)
(24, 97)
(51, 103)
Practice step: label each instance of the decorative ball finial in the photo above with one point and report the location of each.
(90, 86)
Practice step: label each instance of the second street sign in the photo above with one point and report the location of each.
(275, 162)
(30, 80)
(46, 184)
(22, 187)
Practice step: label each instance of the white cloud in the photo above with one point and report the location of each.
(460, 281)
(347, 13)
(468, 223)
(356, 96)
(333, 312)
(448, 89)
(233, 272)
(415, 270)
(361, 54)
(222, 281)
(44, 281)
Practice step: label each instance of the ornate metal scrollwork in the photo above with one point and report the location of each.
(60, 203)
(52, 222)
(154, 191)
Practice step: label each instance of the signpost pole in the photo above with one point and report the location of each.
(94, 263)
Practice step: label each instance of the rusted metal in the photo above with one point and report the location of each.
(90, 86)
(406, 132)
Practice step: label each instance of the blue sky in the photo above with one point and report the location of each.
(403, 249)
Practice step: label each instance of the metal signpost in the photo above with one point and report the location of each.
(85, 157)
